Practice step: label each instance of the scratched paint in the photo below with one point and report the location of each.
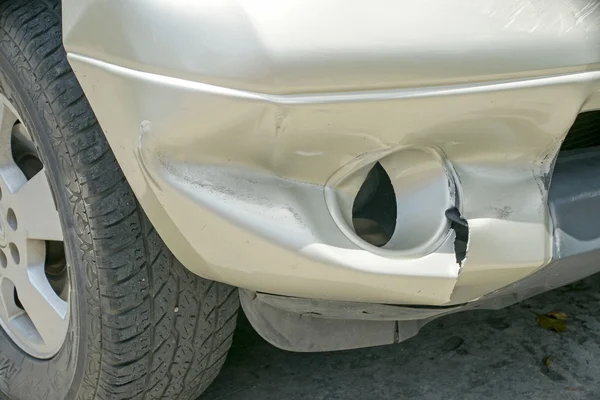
(246, 130)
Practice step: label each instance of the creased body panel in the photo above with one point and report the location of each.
(233, 173)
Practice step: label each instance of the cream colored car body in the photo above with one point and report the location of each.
(245, 128)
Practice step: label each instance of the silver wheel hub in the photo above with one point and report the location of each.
(34, 285)
(2, 234)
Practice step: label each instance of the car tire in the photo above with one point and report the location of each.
(140, 325)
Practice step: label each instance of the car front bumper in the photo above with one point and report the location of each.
(234, 123)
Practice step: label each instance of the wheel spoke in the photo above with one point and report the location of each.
(7, 306)
(35, 207)
(34, 311)
(47, 311)
(8, 118)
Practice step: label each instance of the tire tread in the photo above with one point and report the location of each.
(164, 332)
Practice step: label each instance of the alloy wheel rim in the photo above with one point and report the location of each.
(34, 283)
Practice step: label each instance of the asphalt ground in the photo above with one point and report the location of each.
(466, 356)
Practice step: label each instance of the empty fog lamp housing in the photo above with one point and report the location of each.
(394, 204)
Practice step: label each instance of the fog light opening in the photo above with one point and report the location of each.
(374, 211)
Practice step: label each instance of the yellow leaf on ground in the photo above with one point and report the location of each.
(551, 324)
(557, 315)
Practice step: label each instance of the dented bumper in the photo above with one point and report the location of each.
(301, 324)
(244, 135)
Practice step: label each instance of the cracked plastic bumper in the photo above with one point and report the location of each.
(230, 145)
(300, 324)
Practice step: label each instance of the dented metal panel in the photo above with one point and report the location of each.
(230, 119)
(300, 324)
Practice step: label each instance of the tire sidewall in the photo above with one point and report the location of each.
(22, 376)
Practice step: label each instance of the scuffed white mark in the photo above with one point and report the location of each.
(514, 16)
(556, 17)
(250, 198)
(587, 11)
(309, 153)
(146, 151)
(145, 129)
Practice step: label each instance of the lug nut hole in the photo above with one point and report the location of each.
(14, 252)
(12, 219)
